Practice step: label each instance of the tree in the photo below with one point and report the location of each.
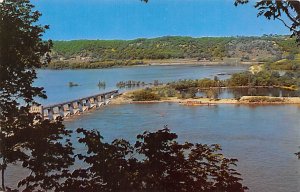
(108, 169)
(49, 159)
(157, 162)
(24, 136)
(286, 11)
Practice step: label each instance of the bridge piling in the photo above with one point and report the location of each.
(75, 107)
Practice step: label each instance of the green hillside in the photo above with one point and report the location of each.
(106, 53)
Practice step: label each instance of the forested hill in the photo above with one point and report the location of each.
(111, 52)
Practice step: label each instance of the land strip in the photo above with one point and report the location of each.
(126, 98)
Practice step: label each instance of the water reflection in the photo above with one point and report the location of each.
(225, 93)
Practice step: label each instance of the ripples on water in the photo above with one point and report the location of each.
(263, 138)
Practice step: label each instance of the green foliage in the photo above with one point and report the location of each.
(110, 53)
(156, 162)
(189, 93)
(240, 79)
(211, 93)
(157, 48)
(24, 137)
(263, 99)
(288, 45)
(291, 65)
(183, 84)
(92, 64)
(167, 91)
(171, 93)
(263, 78)
(145, 95)
(199, 83)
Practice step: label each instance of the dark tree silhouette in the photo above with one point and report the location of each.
(25, 137)
(157, 162)
(49, 159)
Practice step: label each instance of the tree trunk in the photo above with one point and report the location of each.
(2, 176)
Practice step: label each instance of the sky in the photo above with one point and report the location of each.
(130, 19)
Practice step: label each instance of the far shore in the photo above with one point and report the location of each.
(148, 62)
(198, 62)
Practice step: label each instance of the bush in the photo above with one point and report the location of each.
(201, 83)
(171, 92)
(263, 99)
(145, 95)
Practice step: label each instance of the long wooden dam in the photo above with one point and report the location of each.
(74, 107)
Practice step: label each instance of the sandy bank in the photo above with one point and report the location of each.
(126, 99)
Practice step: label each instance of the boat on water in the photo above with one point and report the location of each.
(198, 103)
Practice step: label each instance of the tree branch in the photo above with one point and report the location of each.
(296, 5)
(286, 11)
(291, 28)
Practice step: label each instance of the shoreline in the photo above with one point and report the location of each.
(198, 62)
(164, 62)
(124, 98)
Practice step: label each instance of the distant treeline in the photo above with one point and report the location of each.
(67, 64)
(188, 88)
(158, 48)
(290, 80)
(107, 53)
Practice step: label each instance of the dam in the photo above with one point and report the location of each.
(74, 107)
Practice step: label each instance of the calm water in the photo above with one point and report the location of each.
(263, 138)
(239, 92)
(56, 81)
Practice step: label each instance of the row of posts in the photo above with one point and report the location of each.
(74, 107)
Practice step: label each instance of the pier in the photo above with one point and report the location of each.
(74, 107)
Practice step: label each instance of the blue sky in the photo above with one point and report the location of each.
(130, 19)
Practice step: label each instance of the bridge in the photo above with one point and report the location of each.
(74, 107)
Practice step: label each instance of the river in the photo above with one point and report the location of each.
(56, 82)
(263, 138)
